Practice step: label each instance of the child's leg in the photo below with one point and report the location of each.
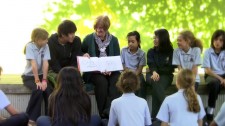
(214, 89)
(16, 120)
(142, 91)
(44, 121)
(46, 95)
(34, 105)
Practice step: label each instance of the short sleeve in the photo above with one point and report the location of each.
(176, 60)
(47, 53)
(142, 60)
(163, 113)
(147, 116)
(202, 111)
(219, 119)
(112, 116)
(197, 56)
(29, 52)
(4, 101)
(206, 60)
(123, 56)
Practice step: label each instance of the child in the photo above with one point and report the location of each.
(187, 56)
(214, 65)
(35, 74)
(185, 107)
(129, 110)
(160, 75)
(219, 120)
(133, 58)
(69, 104)
(16, 119)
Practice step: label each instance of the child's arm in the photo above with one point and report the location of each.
(195, 70)
(139, 70)
(35, 72)
(200, 122)
(213, 123)
(211, 73)
(164, 124)
(11, 110)
(45, 73)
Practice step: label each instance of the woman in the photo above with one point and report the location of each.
(101, 44)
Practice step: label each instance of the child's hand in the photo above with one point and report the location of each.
(39, 85)
(44, 85)
(155, 76)
(86, 55)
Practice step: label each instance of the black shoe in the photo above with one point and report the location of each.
(209, 117)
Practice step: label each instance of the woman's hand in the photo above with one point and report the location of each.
(86, 55)
(155, 76)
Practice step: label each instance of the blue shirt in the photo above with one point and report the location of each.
(129, 110)
(215, 62)
(4, 101)
(174, 110)
(133, 61)
(187, 60)
(219, 119)
(34, 53)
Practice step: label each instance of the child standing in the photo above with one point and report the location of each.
(133, 58)
(185, 107)
(214, 65)
(129, 110)
(35, 74)
(188, 55)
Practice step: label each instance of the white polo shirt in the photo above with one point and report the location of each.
(219, 119)
(133, 61)
(187, 60)
(4, 101)
(32, 52)
(215, 62)
(129, 110)
(174, 110)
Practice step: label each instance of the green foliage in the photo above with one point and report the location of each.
(202, 17)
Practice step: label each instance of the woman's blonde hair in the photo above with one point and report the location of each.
(194, 42)
(128, 82)
(39, 34)
(102, 21)
(185, 79)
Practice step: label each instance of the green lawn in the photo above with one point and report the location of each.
(10, 79)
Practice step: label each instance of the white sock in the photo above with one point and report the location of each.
(210, 110)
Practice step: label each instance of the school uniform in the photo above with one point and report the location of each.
(188, 60)
(162, 64)
(34, 105)
(174, 110)
(216, 62)
(15, 120)
(129, 110)
(219, 119)
(132, 62)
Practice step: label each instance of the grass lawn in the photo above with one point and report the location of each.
(10, 79)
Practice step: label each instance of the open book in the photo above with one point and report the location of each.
(102, 64)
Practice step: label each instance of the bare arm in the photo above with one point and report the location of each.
(211, 73)
(35, 69)
(11, 110)
(45, 69)
(195, 70)
(213, 123)
(164, 124)
(200, 122)
(139, 70)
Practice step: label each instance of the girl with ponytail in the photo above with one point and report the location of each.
(185, 107)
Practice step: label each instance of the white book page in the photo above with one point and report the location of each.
(86, 64)
(110, 63)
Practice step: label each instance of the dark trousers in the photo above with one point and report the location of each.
(158, 91)
(214, 88)
(37, 95)
(105, 91)
(46, 121)
(142, 91)
(16, 120)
